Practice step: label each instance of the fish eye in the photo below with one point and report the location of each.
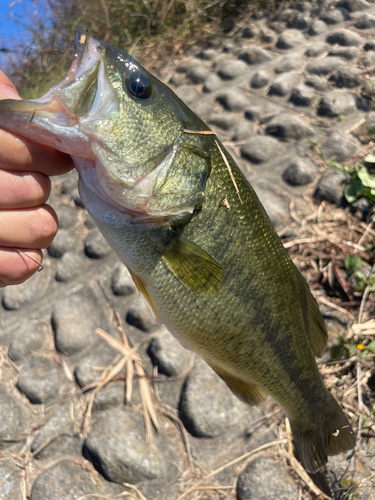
(139, 86)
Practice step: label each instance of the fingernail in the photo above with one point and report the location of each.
(8, 92)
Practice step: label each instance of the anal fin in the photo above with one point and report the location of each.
(250, 394)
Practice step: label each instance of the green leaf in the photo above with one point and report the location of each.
(367, 179)
(352, 263)
(350, 193)
(371, 346)
(370, 158)
(335, 351)
(372, 131)
(346, 353)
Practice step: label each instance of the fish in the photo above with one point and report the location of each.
(180, 214)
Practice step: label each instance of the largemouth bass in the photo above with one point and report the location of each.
(181, 216)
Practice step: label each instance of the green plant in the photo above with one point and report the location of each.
(361, 184)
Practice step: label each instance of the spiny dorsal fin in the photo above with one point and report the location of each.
(317, 332)
(193, 267)
(248, 393)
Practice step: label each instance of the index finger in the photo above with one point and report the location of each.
(18, 153)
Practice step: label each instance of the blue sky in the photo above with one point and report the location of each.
(12, 31)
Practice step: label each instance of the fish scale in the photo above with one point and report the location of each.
(182, 217)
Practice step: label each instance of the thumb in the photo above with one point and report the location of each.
(7, 89)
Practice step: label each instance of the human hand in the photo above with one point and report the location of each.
(26, 222)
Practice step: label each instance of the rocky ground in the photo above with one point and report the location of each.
(284, 94)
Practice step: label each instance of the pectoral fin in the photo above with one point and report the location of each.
(250, 394)
(193, 267)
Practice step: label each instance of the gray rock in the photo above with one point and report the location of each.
(335, 16)
(90, 367)
(243, 132)
(346, 78)
(168, 354)
(369, 59)
(207, 407)
(206, 54)
(117, 446)
(198, 75)
(251, 31)
(268, 36)
(70, 183)
(370, 45)
(59, 422)
(325, 66)
(290, 39)
(122, 283)
(259, 149)
(299, 21)
(354, 5)
(89, 222)
(317, 83)
(255, 55)
(348, 53)
(276, 206)
(213, 83)
(187, 93)
(74, 320)
(15, 416)
(318, 27)
(339, 147)
(17, 296)
(300, 172)
(316, 49)
(266, 479)
(225, 121)
(29, 338)
(43, 381)
(365, 21)
(302, 95)
(288, 63)
(344, 37)
(96, 246)
(283, 84)
(65, 481)
(177, 80)
(288, 126)
(232, 100)
(113, 394)
(141, 316)
(10, 481)
(331, 187)
(230, 69)
(188, 65)
(64, 241)
(67, 215)
(260, 79)
(68, 266)
(61, 446)
(76, 197)
(336, 102)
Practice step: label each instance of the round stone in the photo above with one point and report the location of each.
(336, 103)
(346, 78)
(117, 445)
(140, 315)
(317, 83)
(43, 381)
(187, 93)
(302, 95)
(74, 321)
(198, 75)
(348, 53)
(259, 149)
(68, 266)
(331, 187)
(283, 84)
(325, 65)
(67, 480)
(29, 338)
(289, 39)
(288, 126)
(168, 354)
(339, 147)
(300, 172)
(344, 37)
(70, 183)
(365, 21)
(64, 241)
(266, 479)
(255, 55)
(369, 59)
(335, 16)
(68, 216)
(96, 246)
(288, 63)
(230, 69)
(354, 5)
(260, 79)
(213, 83)
(243, 132)
(316, 49)
(318, 27)
(207, 407)
(177, 80)
(11, 481)
(232, 100)
(225, 121)
(15, 418)
(122, 283)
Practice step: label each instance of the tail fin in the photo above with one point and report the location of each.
(330, 434)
